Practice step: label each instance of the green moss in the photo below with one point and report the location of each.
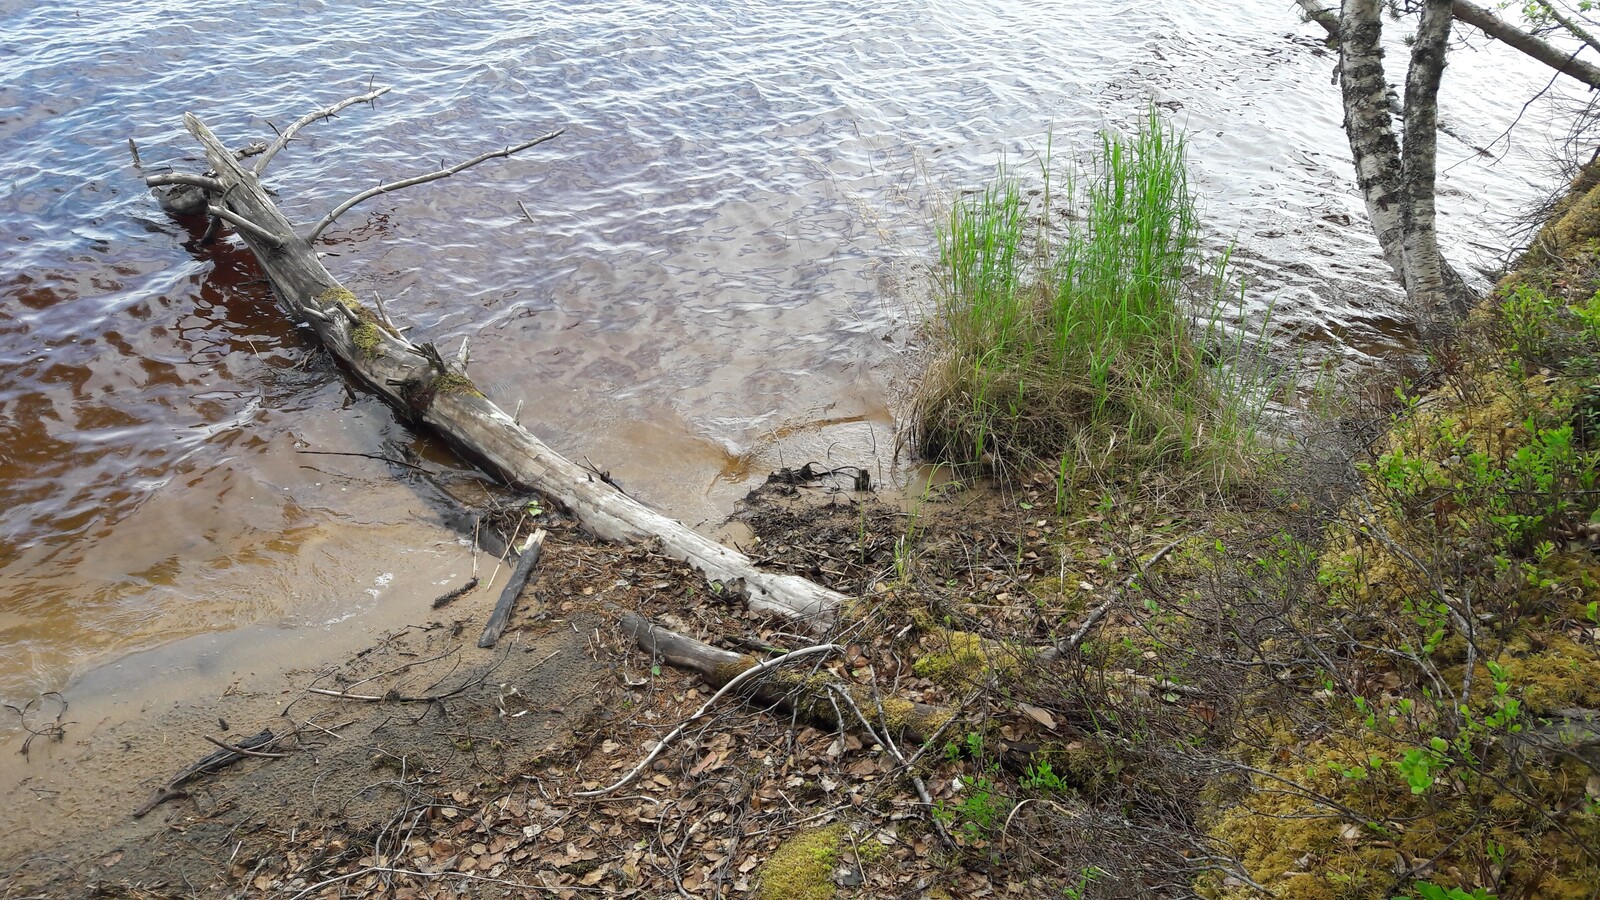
(455, 383)
(962, 658)
(1579, 223)
(870, 851)
(337, 294)
(1562, 674)
(368, 339)
(903, 716)
(802, 866)
(726, 672)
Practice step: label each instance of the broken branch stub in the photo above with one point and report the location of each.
(430, 391)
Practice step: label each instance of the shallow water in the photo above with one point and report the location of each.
(705, 277)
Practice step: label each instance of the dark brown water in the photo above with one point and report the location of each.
(706, 276)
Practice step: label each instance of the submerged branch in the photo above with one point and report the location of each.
(368, 194)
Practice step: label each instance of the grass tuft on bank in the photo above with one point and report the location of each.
(1069, 331)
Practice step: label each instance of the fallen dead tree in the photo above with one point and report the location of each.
(433, 392)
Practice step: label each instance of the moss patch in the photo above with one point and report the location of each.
(455, 383)
(962, 658)
(368, 339)
(337, 294)
(802, 866)
(1478, 503)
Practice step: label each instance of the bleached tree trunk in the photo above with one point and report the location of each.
(436, 393)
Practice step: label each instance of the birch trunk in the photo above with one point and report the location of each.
(1370, 128)
(1398, 183)
(1424, 267)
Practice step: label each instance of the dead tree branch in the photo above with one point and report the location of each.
(184, 178)
(513, 589)
(733, 684)
(1051, 654)
(243, 224)
(327, 112)
(341, 209)
(1490, 24)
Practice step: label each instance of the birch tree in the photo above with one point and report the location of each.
(1397, 179)
(1395, 163)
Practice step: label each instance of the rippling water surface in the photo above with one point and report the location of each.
(706, 274)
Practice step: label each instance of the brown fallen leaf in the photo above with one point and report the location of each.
(1042, 716)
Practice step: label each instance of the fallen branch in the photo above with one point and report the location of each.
(1492, 25)
(733, 684)
(496, 625)
(390, 697)
(213, 763)
(903, 719)
(327, 112)
(183, 178)
(243, 224)
(430, 391)
(341, 209)
(243, 751)
(1489, 23)
(887, 742)
(449, 597)
(1051, 654)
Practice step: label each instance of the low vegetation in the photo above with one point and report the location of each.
(1070, 329)
(1369, 671)
(1373, 674)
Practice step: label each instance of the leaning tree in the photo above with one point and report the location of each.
(1395, 166)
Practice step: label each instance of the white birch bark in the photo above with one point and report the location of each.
(1424, 274)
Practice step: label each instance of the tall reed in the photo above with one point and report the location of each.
(1070, 324)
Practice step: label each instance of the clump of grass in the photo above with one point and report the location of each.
(1066, 326)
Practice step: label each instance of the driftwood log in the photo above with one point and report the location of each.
(435, 393)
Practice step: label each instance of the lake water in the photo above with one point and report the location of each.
(706, 276)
